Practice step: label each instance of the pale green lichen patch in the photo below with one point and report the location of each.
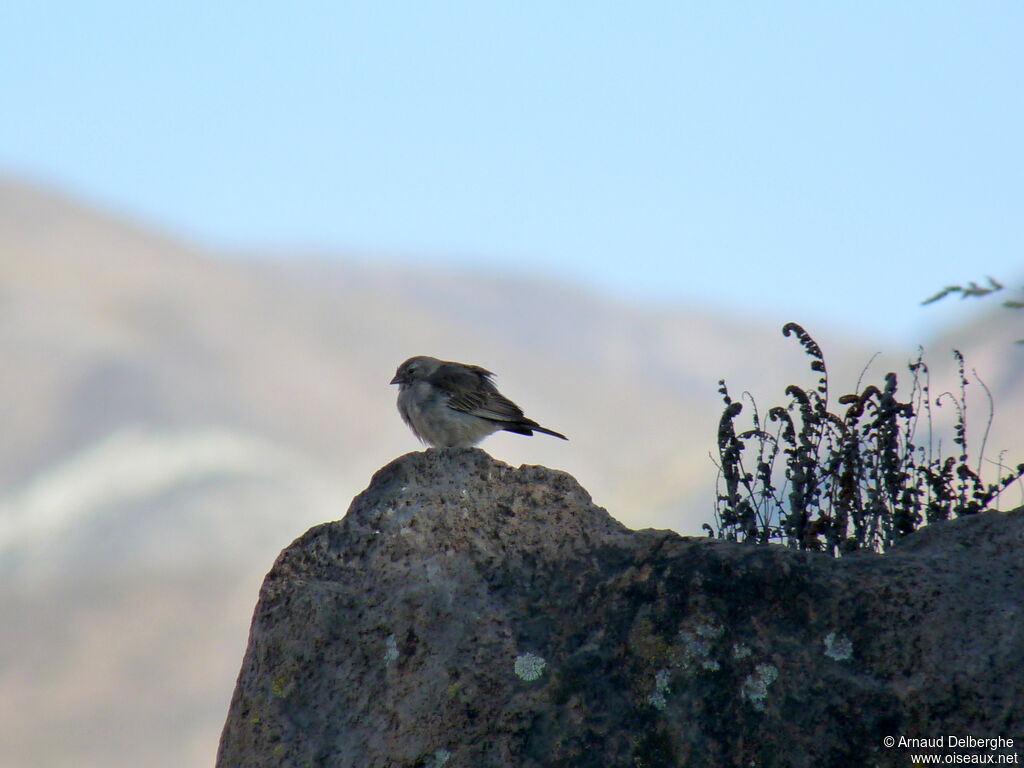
(439, 758)
(838, 647)
(740, 651)
(657, 699)
(755, 687)
(694, 646)
(390, 649)
(529, 666)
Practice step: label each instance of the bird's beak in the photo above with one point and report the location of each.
(396, 380)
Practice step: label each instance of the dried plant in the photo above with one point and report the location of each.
(837, 482)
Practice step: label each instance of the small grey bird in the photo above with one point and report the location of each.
(450, 404)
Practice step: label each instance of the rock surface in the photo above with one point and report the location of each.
(466, 613)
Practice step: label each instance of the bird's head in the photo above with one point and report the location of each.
(415, 369)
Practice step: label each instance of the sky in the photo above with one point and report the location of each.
(831, 163)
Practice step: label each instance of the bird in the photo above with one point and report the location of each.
(455, 405)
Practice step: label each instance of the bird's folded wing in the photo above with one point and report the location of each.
(487, 405)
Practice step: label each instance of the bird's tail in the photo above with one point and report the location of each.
(546, 431)
(528, 427)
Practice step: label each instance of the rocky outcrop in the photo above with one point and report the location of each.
(466, 613)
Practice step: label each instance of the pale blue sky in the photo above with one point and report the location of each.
(823, 162)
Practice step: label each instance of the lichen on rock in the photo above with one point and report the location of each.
(529, 666)
(838, 647)
(755, 686)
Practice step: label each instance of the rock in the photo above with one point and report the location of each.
(466, 613)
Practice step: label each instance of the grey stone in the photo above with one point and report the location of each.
(466, 613)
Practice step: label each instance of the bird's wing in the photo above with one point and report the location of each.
(493, 406)
(470, 390)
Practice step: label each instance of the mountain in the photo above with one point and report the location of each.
(157, 393)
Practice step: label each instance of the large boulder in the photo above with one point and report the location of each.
(467, 613)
